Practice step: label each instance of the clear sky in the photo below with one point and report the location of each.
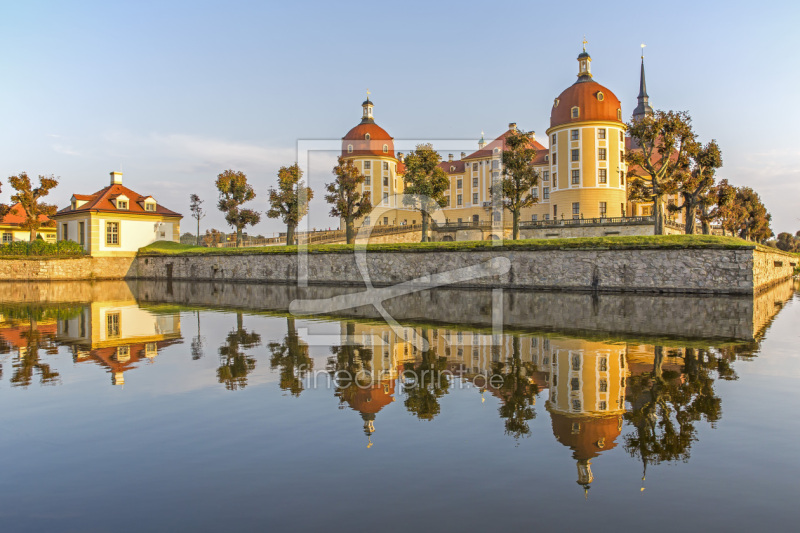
(175, 92)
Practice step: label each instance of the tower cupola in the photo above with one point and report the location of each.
(584, 64)
(366, 117)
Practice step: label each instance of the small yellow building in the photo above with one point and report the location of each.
(116, 221)
(11, 227)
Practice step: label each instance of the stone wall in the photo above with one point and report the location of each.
(770, 267)
(719, 271)
(81, 268)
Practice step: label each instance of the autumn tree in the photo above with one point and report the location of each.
(519, 176)
(516, 390)
(235, 364)
(196, 207)
(425, 183)
(788, 242)
(289, 201)
(720, 206)
(29, 199)
(430, 382)
(753, 219)
(212, 237)
(697, 182)
(661, 158)
(233, 192)
(292, 359)
(347, 202)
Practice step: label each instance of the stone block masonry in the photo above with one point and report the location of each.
(667, 270)
(65, 269)
(656, 270)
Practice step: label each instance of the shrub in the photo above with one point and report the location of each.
(41, 248)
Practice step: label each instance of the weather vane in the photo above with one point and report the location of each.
(643, 45)
(368, 93)
(584, 43)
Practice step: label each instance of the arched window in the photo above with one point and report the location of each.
(385, 148)
(600, 95)
(366, 136)
(576, 112)
(619, 114)
(349, 148)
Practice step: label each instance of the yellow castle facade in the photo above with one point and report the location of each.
(582, 172)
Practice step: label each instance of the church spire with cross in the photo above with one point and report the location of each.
(643, 108)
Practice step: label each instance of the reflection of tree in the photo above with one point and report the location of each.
(28, 363)
(197, 341)
(666, 405)
(235, 365)
(350, 360)
(430, 383)
(517, 391)
(291, 357)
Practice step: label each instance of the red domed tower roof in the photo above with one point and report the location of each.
(594, 102)
(367, 138)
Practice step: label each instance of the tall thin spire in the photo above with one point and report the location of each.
(643, 108)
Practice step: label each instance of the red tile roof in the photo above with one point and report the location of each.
(500, 142)
(16, 216)
(101, 201)
(458, 166)
(378, 137)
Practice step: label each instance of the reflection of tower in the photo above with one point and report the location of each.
(368, 400)
(587, 399)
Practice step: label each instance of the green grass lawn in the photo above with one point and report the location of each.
(593, 243)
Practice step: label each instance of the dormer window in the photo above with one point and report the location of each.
(74, 205)
(576, 112)
(385, 148)
(600, 96)
(349, 148)
(366, 136)
(150, 206)
(619, 114)
(555, 102)
(122, 204)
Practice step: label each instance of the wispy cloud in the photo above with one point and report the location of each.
(65, 150)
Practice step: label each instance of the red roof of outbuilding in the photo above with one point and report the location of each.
(16, 216)
(101, 201)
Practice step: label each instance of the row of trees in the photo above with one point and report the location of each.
(668, 159)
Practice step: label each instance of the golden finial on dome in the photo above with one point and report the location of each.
(585, 42)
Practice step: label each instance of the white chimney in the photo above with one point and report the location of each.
(116, 178)
(449, 157)
(512, 126)
(400, 156)
(463, 155)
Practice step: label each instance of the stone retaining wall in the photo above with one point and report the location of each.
(66, 269)
(718, 271)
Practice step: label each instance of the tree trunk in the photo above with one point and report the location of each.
(706, 227)
(658, 211)
(658, 361)
(290, 234)
(349, 229)
(515, 222)
(424, 226)
(238, 237)
(691, 215)
(33, 234)
(198, 232)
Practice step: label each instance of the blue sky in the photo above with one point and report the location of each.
(175, 92)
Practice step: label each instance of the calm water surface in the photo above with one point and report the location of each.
(147, 407)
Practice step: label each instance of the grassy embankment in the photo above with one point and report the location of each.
(593, 243)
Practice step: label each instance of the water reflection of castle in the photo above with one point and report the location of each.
(118, 335)
(586, 381)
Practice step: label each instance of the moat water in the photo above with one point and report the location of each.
(209, 407)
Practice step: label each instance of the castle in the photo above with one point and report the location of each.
(582, 174)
